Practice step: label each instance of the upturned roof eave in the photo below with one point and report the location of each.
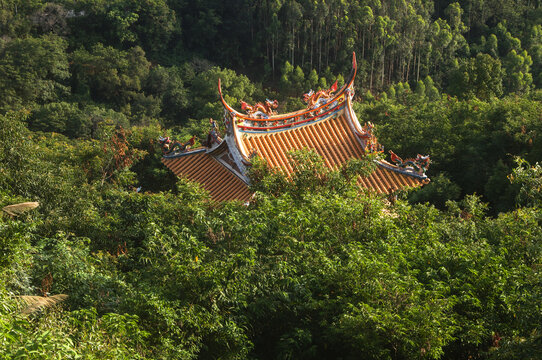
(347, 85)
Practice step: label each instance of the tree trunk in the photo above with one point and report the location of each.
(319, 48)
(418, 72)
(371, 77)
(293, 44)
(303, 51)
(312, 39)
(273, 58)
(414, 62)
(408, 68)
(383, 65)
(327, 47)
(363, 46)
(390, 70)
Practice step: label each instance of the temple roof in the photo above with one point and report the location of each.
(197, 165)
(328, 125)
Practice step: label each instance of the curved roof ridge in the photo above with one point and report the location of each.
(405, 171)
(291, 115)
(305, 122)
(185, 153)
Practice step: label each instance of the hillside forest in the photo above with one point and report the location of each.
(110, 256)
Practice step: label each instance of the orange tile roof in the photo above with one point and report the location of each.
(385, 180)
(198, 166)
(335, 142)
(330, 128)
(330, 138)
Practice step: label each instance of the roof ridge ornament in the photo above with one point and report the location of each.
(419, 165)
(260, 110)
(170, 146)
(213, 137)
(259, 120)
(319, 98)
(369, 138)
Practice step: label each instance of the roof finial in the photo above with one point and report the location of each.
(213, 137)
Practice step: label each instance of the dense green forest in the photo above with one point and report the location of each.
(121, 260)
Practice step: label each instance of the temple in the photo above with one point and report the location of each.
(328, 125)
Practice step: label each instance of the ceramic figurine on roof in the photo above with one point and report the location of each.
(260, 110)
(371, 143)
(420, 164)
(171, 146)
(315, 99)
(367, 130)
(212, 138)
(328, 125)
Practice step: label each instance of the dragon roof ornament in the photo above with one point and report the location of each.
(262, 116)
(420, 164)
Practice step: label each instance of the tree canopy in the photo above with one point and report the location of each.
(123, 260)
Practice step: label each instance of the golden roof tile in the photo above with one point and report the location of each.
(198, 166)
(330, 127)
(334, 141)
